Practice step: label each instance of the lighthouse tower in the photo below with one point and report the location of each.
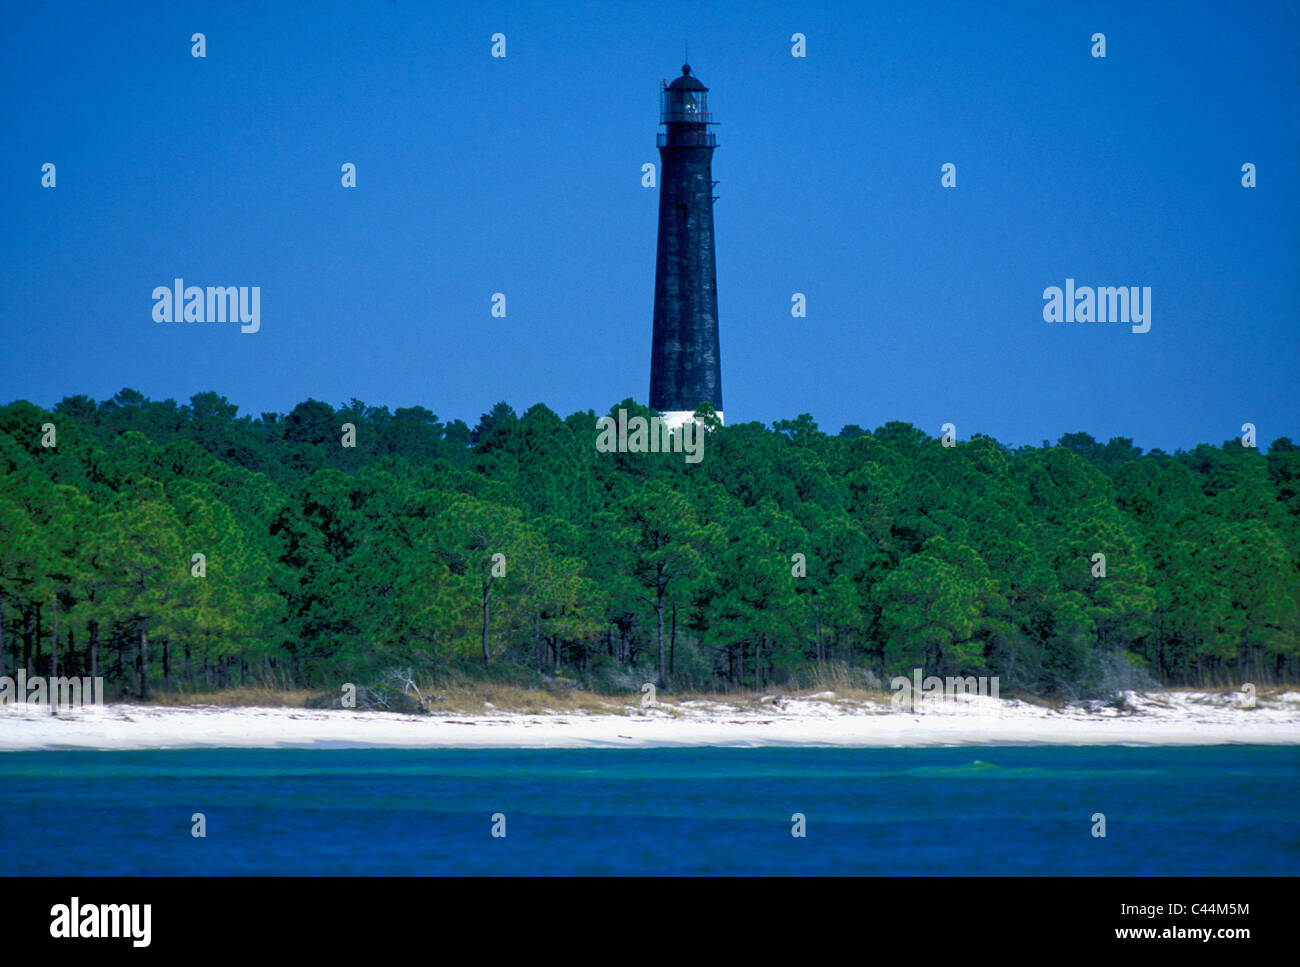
(685, 367)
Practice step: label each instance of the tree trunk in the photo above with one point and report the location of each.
(189, 676)
(758, 647)
(167, 664)
(659, 631)
(94, 650)
(27, 642)
(672, 643)
(144, 665)
(486, 617)
(54, 660)
(4, 654)
(659, 634)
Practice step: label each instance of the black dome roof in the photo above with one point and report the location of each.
(686, 82)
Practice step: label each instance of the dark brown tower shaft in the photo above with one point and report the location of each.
(685, 364)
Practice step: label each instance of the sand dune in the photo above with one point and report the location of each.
(1155, 718)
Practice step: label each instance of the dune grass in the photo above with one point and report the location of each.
(464, 696)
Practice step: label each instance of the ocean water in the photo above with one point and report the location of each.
(1221, 810)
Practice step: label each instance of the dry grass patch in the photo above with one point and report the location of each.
(475, 699)
(238, 697)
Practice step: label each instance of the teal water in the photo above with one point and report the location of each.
(1219, 810)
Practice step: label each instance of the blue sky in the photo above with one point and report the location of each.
(522, 175)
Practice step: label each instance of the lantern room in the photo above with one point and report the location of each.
(685, 110)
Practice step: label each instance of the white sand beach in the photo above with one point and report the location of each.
(1154, 718)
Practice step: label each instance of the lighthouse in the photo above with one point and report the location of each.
(685, 366)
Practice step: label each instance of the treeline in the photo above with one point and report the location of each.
(170, 546)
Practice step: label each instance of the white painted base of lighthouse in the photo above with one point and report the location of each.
(675, 419)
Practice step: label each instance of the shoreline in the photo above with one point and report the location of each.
(1165, 718)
